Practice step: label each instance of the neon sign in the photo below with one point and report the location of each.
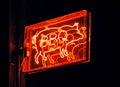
(56, 42)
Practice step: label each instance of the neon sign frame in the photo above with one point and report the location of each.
(56, 42)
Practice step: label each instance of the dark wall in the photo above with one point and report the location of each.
(99, 71)
(40, 10)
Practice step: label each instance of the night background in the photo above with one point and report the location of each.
(100, 71)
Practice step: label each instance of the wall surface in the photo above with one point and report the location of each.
(102, 70)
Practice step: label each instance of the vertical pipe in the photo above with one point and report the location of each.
(16, 34)
(20, 42)
(12, 56)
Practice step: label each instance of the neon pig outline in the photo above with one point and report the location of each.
(44, 39)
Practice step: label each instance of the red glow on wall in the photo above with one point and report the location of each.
(56, 42)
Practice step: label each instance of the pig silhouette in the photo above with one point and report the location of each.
(55, 38)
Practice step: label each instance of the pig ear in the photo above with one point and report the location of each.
(75, 25)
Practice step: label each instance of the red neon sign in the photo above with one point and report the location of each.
(56, 42)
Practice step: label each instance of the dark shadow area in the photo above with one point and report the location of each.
(103, 68)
